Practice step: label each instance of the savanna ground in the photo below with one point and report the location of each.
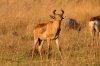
(17, 20)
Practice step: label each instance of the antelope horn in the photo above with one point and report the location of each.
(54, 12)
(62, 12)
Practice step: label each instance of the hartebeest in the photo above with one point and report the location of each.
(48, 31)
(94, 26)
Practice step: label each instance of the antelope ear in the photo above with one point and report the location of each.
(52, 16)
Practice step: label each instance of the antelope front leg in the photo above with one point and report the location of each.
(48, 42)
(58, 46)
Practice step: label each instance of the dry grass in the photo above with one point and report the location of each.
(17, 20)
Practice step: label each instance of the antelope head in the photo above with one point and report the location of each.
(58, 17)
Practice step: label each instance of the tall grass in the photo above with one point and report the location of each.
(17, 21)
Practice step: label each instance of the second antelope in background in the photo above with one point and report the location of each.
(94, 26)
(72, 24)
(48, 31)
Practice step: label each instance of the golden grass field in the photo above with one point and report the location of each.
(17, 20)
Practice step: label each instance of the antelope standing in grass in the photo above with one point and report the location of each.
(72, 24)
(48, 31)
(94, 26)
